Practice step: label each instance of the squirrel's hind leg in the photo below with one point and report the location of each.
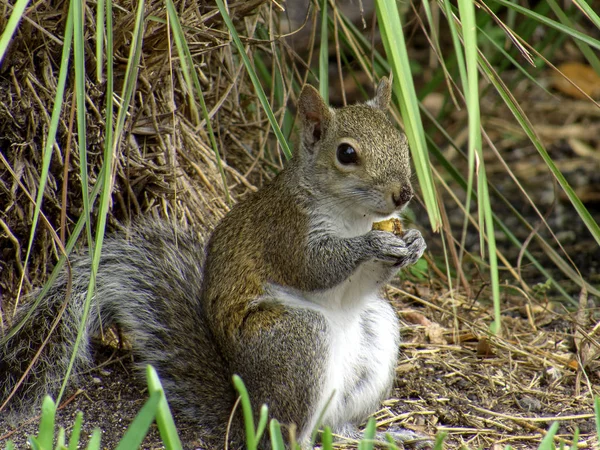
(283, 365)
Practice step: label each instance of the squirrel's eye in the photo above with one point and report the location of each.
(346, 154)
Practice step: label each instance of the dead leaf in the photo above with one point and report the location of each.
(582, 75)
(461, 338)
(484, 349)
(416, 318)
(435, 334)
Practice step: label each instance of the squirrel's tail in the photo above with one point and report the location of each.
(149, 284)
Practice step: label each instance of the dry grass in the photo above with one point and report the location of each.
(165, 166)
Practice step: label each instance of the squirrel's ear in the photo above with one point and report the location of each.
(314, 115)
(383, 95)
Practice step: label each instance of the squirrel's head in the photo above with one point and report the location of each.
(355, 153)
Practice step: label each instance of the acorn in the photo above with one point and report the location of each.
(393, 225)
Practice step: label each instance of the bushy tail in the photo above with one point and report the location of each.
(149, 284)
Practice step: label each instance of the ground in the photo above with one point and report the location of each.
(452, 377)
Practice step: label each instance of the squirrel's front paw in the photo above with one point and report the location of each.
(396, 250)
(416, 247)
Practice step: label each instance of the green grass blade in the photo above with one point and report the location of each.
(46, 431)
(367, 442)
(164, 418)
(317, 426)
(469, 30)
(193, 84)
(34, 443)
(575, 438)
(458, 52)
(131, 72)
(76, 432)
(548, 441)
(583, 47)
(395, 46)
(60, 439)
(458, 178)
(94, 443)
(439, 440)
(11, 26)
(51, 136)
(519, 114)
(137, 431)
(324, 55)
(255, 80)
(105, 181)
(327, 439)
(587, 10)
(597, 414)
(79, 67)
(73, 239)
(100, 39)
(275, 435)
(262, 421)
(513, 61)
(551, 23)
(251, 442)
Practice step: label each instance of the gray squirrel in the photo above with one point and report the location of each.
(285, 292)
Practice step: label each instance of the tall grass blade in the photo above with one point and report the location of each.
(324, 55)
(586, 51)
(79, 68)
(255, 80)
(551, 23)
(51, 136)
(395, 47)
(527, 127)
(105, 181)
(584, 6)
(193, 84)
(100, 39)
(486, 223)
(11, 26)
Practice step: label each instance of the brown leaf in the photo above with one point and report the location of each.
(435, 333)
(416, 318)
(584, 76)
(484, 349)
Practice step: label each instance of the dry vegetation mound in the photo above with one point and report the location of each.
(164, 165)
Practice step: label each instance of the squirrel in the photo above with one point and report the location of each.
(285, 291)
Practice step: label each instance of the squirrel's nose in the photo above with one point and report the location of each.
(402, 196)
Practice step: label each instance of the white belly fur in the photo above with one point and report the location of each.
(363, 343)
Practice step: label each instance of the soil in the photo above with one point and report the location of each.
(452, 377)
